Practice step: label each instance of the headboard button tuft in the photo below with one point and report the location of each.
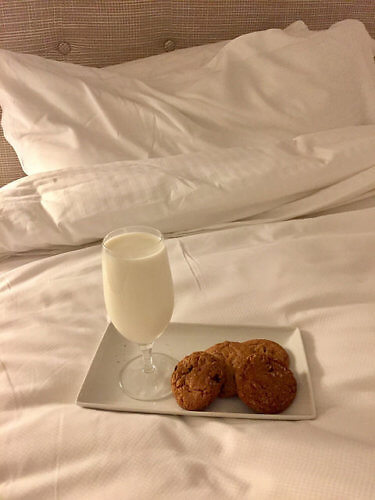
(64, 48)
(169, 45)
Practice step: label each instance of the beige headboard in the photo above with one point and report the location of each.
(103, 32)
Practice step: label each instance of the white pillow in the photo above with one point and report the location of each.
(258, 88)
(170, 63)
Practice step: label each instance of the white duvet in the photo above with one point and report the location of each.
(292, 245)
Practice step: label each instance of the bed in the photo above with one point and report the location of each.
(244, 131)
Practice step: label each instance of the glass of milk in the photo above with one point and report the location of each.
(138, 294)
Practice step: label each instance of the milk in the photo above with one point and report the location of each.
(137, 283)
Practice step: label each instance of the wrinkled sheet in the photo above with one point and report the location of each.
(316, 273)
(189, 192)
(304, 259)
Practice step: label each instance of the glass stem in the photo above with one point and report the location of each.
(148, 365)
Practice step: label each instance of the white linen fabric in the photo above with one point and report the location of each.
(186, 192)
(313, 272)
(277, 233)
(263, 86)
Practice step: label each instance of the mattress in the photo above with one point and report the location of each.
(275, 233)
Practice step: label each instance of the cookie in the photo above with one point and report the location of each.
(269, 348)
(232, 353)
(197, 380)
(265, 385)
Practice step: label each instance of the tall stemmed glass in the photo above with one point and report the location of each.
(138, 294)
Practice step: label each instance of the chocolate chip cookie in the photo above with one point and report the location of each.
(269, 348)
(197, 380)
(265, 385)
(232, 354)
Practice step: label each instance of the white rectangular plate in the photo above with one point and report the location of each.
(101, 388)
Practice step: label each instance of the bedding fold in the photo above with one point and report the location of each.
(188, 192)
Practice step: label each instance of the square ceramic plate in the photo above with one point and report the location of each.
(101, 388)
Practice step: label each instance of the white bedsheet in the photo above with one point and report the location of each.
(314, 271)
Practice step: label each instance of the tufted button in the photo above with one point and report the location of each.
(64, 48)
(169, 45)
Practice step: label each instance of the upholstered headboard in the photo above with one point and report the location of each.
(103, 32)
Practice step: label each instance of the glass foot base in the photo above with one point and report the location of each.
(148, 386)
